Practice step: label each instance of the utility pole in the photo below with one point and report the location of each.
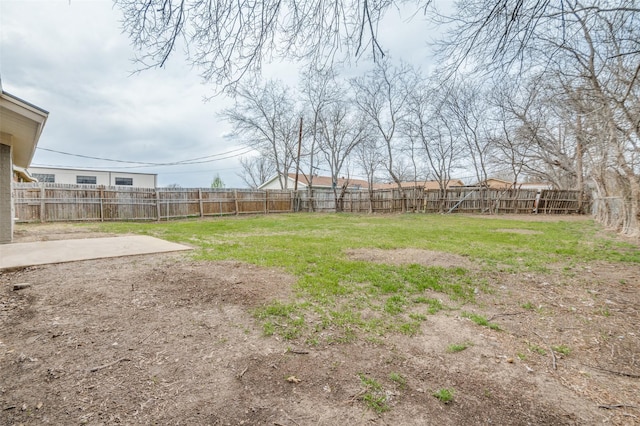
(295, 186)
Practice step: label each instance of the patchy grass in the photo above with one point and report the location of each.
(444, 395)
(537, 349)
(374, 395)
(480, 320)
(562, 349)
(398, 379)
(458, 347)
(334, 292)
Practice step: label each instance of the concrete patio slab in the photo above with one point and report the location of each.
(20, 255)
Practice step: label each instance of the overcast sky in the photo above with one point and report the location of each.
(71, 59)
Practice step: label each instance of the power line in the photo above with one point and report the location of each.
(147, 164)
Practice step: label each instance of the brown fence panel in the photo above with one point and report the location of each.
(172, 203)
(50, 202)
(27, 202)
(122, 203)
(559, 202)
(279, 201)
(516, 201)
(61, 202)
(217, 202)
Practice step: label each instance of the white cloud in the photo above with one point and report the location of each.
(71, 59)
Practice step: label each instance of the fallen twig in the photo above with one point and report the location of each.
(298, 351)
(17, 287)
(506, 314)
(149, 335)
(553, 355)
(289, 417)
(611, 407)
(355, 397)
(242, 372)
(102, 367)
(618, 373)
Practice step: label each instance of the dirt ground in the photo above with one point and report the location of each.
(162, 339)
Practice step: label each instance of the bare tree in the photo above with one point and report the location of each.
(382, 96)
(342, 131)
(465, 104)
(319, 89)
(513, 147)
(229, 40)
(368, 157)
(588, 55)
(266, 117)
(256, 170)
(429, 126)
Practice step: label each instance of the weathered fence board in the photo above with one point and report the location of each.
(50, 202)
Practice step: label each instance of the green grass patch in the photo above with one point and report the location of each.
(561, 349)
(334, 291)
(480, 320)
(459, 347)
(286, 320)
(374, 395)
(537, 349)
(528, 306)
(444, 395)
(398, 379)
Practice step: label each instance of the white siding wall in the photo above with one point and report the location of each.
(274, 183)
(106, 178)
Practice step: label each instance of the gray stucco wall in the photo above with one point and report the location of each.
(6, 203)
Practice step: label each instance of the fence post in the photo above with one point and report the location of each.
(200, 202)
(235, 197)
(266, 202)
(157, 194)
(42, 202)
(101, 204)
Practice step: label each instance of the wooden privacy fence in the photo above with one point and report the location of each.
(51, 202)
(454, 200)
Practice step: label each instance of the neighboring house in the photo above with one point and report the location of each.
(21, 125)
(318, 182)
(93, 177)
(427, 184)
(494, 183)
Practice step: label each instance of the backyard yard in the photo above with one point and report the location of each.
(331, 319)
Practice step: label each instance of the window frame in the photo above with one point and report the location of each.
(93, 180)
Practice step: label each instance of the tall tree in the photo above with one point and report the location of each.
(367, 156)
(430, 126)
(586, 52)
(342, 131)
(319, 90)
(256, 170)
(382, 96)
(265, 115)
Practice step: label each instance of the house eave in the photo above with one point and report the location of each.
(21, 126)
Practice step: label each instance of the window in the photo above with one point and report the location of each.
(45, 177)
(124, 181)
(88, 180)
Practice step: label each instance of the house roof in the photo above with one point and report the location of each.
(327, 181)
(427, 184)
(21, 124)
(319, 181)
(495, 183)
